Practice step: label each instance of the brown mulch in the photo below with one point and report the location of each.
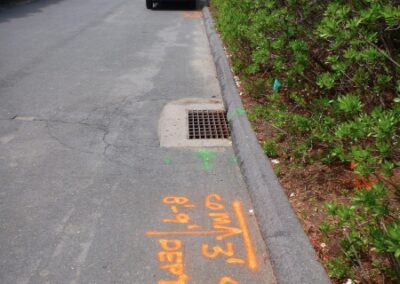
(310, 186)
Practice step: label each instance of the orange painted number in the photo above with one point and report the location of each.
(180, 218)
(175, 200)
(217, 250)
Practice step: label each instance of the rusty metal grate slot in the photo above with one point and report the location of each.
(208, 124)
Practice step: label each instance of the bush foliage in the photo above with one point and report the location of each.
(339, 66)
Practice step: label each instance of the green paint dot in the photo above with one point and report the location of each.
(234, 160)
(206, 156)
(167, 161)
(240, 110)
(236, 112)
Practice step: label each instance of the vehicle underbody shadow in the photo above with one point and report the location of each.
(10, 9)
(179, 5)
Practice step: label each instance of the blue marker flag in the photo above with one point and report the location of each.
(276, 86)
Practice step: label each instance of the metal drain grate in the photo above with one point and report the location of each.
(208, 124)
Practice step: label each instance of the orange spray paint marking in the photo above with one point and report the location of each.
(213, 202)
(227, 232)
(180, 281)
(175, 209)
(180, 218)
(171, 260)
(233, 260)
(251, 256)
(227, 280)
(191, 227)
(175, 204)
(221, 221)
(189, 206)
(171, 254)
(221, 234)
(217, 250)
(182, 233)
(220, 218)
(172, 199)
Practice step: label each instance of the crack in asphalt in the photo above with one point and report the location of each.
(110, 117)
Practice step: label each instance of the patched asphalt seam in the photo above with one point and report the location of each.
(292, 256)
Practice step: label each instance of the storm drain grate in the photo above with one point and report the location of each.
(208, 124)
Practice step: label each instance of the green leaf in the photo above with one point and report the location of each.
(326, 81)
(350, 104)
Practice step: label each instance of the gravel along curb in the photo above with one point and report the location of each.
(292, 256)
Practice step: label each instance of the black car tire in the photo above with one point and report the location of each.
(194, 4)
(149, 4)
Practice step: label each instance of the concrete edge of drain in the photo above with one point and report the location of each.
(292, 256)
(172, 124)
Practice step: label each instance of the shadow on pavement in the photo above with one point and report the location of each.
(179, 5)
(24, 8)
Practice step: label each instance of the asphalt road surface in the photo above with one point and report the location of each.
(87, 195)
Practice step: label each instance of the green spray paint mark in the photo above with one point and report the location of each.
(167, 161)
(236, 112)
(206, 157)
(234, 160)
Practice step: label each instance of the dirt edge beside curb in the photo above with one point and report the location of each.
(292, 256)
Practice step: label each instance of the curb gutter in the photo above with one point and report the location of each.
(292, 256)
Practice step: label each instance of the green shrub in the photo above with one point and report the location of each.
(369, 224)
(270, 148)
(338, 63)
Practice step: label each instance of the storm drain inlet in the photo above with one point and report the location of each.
(208, 124)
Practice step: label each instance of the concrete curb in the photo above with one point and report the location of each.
(292, 256)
